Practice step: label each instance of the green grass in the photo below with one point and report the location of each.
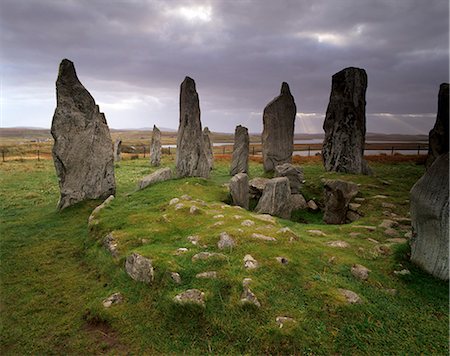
(55, 273)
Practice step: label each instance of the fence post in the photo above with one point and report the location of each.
(392, 150)
(3, 155)
(169, 150)
(309, 151)
(39, 158)
(144, 150)
(253, 150)
(223, 149)
(418, 149)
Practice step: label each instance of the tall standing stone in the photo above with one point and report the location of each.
(438, 137)
(191, 159)
(83, 149)
(117, 150)
(208, 146)
(239, 160)
(345, 123)
(429, 219)
(278, 132)
(155, 147)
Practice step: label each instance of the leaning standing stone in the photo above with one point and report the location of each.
(429, 215)
(155, 147)
(160, 175)
(239, 190)
(208, 146)
(191, 159)
(117, 150)
(278, 132)
(345, 123)
(83, 149)
(337, 196)
(239, 160)
(276, 198)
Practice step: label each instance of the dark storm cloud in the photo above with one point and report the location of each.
(132, 55)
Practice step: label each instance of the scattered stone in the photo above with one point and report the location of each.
(355, 234)
(179, 206)
(439, 135)
(262, 237)
(218, 216)
(312, 205)
(285, 230)
(293, 173)
(256, 187)
(373, 240)
(354, 206)
(95, 212)
(194, 239)
(115, 298)
(276, 198)
(207, 141)
(383, 250)
(351, 297)
(160, 175)
(278, 132)
(337, 196)
(365, 227)
(207, 275)
(239, 190)
(352, 216)
(282, 260)
(175, 277)
(345, 123)
(380, 197)
(391, 232)
(388, 205)
(174, 201)
(360, 200)
(237, 217)
(247, 223)
(155, 147)
(83, 151)
(247, 296)
(225, 241)
(388, 224)
(203, 256)
(250, 262)
(265, 217)
(117, 150)
(144, 241)
(239, 160)
(397, 240)
(218, 223)
(403, 272)
(332, 260)
(316, 232)
(190, 296)
(110, 243)
(191, 157)
(194, 210)
(182, 250)
(186, 197)
(139, 268)
(339, 244)
(360, 272)
(281, 320)
(298, 202)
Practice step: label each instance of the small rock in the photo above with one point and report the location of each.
(354, 234)
(203, 256)
(139, 268)
(285, 230)
(218, 223)
(207, 275)
(218, 216)
(312, 205)
(237, 217)
(366, 227)
(380, 197)
(174, 201)
(181, 250)
(247, 296)
(225, 241)
(397, 240)
(383, 250)
(263, 237)
(354, 206)
(247, 223)
(385, 182)
(373, 240)
(351, 297)
(115, 298)
(281, 320)
(387, 205)
(250, 262)
(179, 206)
(194, 210)
(317, 232)
(186, 197)
(391, 232)
(110, 243)
(339, 244)
(193, 239)
(144, 241)
(332, 260)
(190, 296)
(360, 200)
(282, 260)
(388, 224)
(175, 277)
(360, 272)
(403, 272)
(265, 217)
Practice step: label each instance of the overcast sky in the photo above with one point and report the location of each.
(132, 56)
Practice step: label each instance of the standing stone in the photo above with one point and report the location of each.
(293, 173)
(276, 198)
(345, 123)
(256, 187)
(239, 160)
(117, 150)
(337, 196)
(278, 133)
(208, 146)
(191, 159)
(239, 190)
(155, 147)
(438, 137)
(429, 215)
(83, 149)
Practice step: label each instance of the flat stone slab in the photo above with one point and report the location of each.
(190, 296)
(207, 275)
(203, 256)
(316, 232)
(262, 237)
(338, 244)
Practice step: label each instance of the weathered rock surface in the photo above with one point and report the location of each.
(338, 244)
(139, 268)
(190, 296)
(239, 190)
(175, 277)
(155, 147)
(191, 158)
(117, 150)
(208, 146)
(83, 149)
(430, 214)
(312, 205)
(298, 202)
(345, 123)
(160, 175)
(115, 298)
(256, 187)
(239, 160)
(247, 296)
(225, 241)
(439, 134)
(282, 320)
(276, 198)
(351, 297)
(282, 260)
(337, 196)
(360, 272)
(278, 132)
(250, 262)
(203, 256)
(110, 243)
(293, 173)
(262, 237)
(207, 275)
